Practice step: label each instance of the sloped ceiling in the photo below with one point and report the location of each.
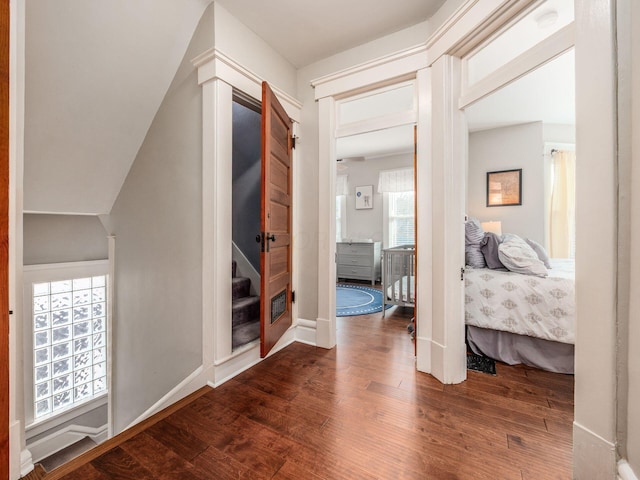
(96, 73)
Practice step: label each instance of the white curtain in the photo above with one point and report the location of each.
(397, 180)
(563, 205)
(342, 185)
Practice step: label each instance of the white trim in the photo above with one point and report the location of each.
(374, 124)
(625, 472)
(26, 462)
(593, 456)
(63, 438)
(306, 331)
(537, 56)
(41, 426)
(111, 298)
(397, 67)
(214, 64)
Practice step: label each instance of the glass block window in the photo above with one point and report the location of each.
(69, 343)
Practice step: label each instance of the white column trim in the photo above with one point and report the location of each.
(326, 321)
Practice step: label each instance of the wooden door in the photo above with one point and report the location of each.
(275, 222)
(4, 239)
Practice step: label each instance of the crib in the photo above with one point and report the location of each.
(398, 276)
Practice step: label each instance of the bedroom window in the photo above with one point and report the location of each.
(66, 355)
(342, 190)
(562, 221)
(401, 218)
(397, 187)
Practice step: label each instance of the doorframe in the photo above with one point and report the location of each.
(219, 75)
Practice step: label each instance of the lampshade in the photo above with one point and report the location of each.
(493, 227)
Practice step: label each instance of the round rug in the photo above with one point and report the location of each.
(354, 300)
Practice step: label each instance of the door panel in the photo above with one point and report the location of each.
(275, 222)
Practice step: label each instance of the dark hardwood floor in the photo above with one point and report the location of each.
(359, 411)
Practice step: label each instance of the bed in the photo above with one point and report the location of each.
(518, 318)
(398, 276)
(519, 304)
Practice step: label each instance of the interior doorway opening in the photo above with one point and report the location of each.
(245, 218)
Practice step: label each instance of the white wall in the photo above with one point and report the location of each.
(157, 331)
(519, 146)
(63, 238)
(368, 223)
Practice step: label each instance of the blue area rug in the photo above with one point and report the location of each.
(354, 300)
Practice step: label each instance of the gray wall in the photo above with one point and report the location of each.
(246, 181)
(368, 223)
(63, 238)
(157, 220)
(507, 148)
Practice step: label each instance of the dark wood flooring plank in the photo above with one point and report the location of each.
(358, 411)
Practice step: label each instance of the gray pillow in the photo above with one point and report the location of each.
(489, 248)
(519, 257)
(473, 235)
(540, 251)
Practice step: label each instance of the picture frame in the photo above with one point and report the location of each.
(504, 188)
(364, 197)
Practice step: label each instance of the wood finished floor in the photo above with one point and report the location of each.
(359, 411)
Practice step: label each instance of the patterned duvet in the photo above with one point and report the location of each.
(523, 304)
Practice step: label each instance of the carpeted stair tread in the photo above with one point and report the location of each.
(240, 287)
(234, 268)
(245, 333)
(245, 310)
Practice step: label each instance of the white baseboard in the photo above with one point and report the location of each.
(306, 331)
(237, 363)
(625, 472)
(593, 456)
(325, 338)
(423, 360)
(197, 379)
(64, 437)
(26, 464)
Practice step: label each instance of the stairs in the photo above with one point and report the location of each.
(245, 310)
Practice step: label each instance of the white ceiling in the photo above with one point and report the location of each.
(97, 71)
(304, 31)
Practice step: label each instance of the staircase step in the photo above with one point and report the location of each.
(245, 333)
(240, 287)
(234, 268)
(245, 310)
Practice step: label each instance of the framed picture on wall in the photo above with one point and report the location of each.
(504, 188)
(364, 197)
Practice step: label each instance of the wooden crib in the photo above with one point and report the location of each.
(398, 276)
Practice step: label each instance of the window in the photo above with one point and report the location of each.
(401, 223)
(67, 319)
(399, 199)
(340, 217)
(562, 203)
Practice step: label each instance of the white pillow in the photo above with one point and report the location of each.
(519, 257)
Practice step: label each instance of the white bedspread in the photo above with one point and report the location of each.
(523, 304)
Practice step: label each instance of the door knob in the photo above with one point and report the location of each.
(258, 238)
(271, 237)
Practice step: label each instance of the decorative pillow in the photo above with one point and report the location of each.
(519, 257)
(489, 249)
(540, 251)
(473, 235)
